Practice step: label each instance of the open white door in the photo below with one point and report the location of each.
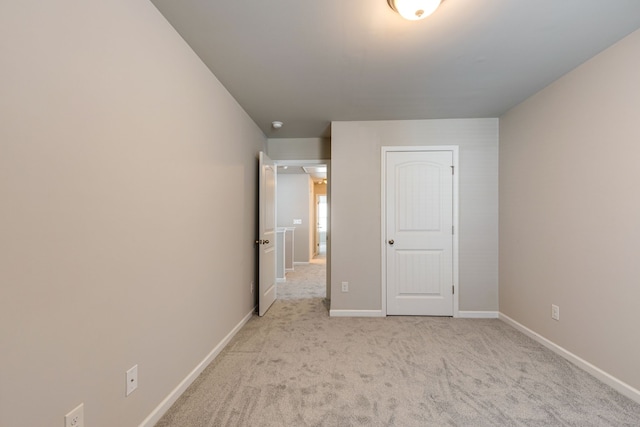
(267, 235)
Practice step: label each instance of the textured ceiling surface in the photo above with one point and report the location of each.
(308, 63)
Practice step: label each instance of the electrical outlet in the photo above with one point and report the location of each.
(555, 312)
(297, 222)
(75, 418)
(345, 286)
(252, 287)
(132, 379)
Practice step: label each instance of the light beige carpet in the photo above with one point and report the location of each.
(305, 281)
(298, 367)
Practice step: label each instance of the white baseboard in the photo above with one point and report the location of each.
(164, 406)
(281, 279)
(610, 380)
(301, 263)
(356, 313)
(477, 314)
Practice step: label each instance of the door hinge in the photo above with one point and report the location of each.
(453, 170)
(453, 289)
(453, 231)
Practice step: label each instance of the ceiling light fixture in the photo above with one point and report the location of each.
(414, 10)
(276, 124)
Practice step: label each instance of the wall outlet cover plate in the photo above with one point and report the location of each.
(75, 418)
(132, 379)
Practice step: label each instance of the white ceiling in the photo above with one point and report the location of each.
(309, 62)
(317, 172)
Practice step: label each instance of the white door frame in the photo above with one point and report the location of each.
(383, 208)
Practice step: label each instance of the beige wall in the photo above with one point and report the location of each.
(293, 201)
(319, 189)
(356, 206)
(570, 211)
(299, 148)
(123, 166)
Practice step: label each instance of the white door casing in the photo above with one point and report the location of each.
(267, 235)
(420, 247)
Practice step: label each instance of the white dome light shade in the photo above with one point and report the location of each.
(414, 9)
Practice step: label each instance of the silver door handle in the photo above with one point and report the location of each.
(391, 242)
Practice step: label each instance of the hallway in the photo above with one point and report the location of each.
(306, 281)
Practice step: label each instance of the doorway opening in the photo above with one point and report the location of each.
(321, 225)
(302, 216)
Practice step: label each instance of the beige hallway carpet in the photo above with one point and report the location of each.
(297, 367)
(305, 281)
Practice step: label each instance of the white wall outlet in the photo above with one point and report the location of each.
(297, 222)
(75, 418)
(252, 287)
(555, 312)
(132, 379)
(345, 286)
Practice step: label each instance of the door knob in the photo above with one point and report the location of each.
(266, 242)
(391, 242)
